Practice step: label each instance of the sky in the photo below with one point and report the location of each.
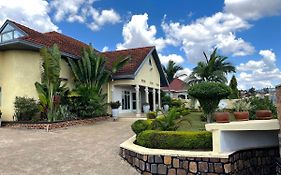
(248, 32)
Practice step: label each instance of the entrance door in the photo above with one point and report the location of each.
(126, 100)
(134, 101)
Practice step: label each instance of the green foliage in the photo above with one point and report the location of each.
(209, 95)
(233, 86)
(151, 115)
(51, 83)
(64, 113)
(203, 118)
(87, 102)
(115, 105)
(141, 125)
(214, 69)
(25, 108)
(166, 100)
(181, 111)
(176, 103)
(175, 140)
(171, 70)
(241, 105)
(257, 103)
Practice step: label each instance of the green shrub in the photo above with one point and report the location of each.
(181, 111)
(166, 100)
(203, 118)
(176, 103)
(175, 140)
(151, 115)
(141, 125)
(209, 95)
(257, 103)
(25, 108)
(167, 122)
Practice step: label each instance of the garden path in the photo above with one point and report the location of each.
(81, 150)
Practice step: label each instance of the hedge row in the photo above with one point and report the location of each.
(141, 125)
(180, 140)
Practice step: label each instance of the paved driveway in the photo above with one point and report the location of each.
(83, 150)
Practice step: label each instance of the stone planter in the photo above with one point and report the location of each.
(166, 108)
(241, 116)
(222, 117)
(263, 114)
(146, 108)
(115, 113)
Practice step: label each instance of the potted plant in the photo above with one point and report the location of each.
(115, 109)
(241, 109)
(221, 116)
(166, 107)
(145, 107)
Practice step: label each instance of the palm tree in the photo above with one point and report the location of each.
(213, 69)
(90, 71)
(171, 69)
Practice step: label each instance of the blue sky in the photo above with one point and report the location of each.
(246, 31)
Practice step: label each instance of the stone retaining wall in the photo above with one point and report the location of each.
(54, 125)
(255, 162)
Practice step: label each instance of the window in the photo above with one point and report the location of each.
(126, 100)
(150, 62)
(9, 33)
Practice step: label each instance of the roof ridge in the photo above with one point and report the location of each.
(129, 49)
(55, 32)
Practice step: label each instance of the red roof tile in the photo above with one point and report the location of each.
(137, 56)
(176, 85)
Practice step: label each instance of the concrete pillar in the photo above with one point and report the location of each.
(146, 95)
(278, 105)
(112, 93)
(138, 110)
(159, 98)
(154, 99)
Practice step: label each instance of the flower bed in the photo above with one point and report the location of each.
(53, 125)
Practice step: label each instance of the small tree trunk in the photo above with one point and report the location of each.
(209, 118)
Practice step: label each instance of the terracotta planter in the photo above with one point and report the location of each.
(263, 114)
(241, 116)
(222, 117)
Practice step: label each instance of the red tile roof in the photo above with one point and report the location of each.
(65, 43)
(74, 47)
(137, 56)
(176, 85)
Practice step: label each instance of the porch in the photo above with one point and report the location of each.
(132, 98)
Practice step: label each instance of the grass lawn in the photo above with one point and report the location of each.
(193, 122)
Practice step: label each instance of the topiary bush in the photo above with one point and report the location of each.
(209, 95)
(175, 140)
(25, 108)
(141, 125)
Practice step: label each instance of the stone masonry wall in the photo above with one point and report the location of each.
(255, 162)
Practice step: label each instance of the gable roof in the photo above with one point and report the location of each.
(70, 47)
(176, 85)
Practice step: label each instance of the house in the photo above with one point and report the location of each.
(136, 83)
(176, 89)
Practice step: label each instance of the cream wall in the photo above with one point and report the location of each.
(19, 70)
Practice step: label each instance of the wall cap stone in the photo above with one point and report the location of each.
(129, 145)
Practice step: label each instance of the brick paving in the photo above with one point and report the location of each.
(81, 150)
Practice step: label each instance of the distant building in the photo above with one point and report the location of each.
(176, 89)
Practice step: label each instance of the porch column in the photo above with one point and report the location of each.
(154, 99)
(146, 95)
(159, 98)
(138, 111)
(112, 93)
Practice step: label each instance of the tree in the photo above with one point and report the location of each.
(233, 86)
(171, 69)
(252, 91)
(209, 95)
(50, 81)
(214, 69)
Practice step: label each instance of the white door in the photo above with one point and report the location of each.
(126, 101)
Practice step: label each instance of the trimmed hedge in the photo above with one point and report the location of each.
(175, 140)
(141, 125)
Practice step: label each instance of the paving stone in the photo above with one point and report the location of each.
(227, 168)
(162, 169)
(146, 173)
(203, 167)
(153, 168)
(185, 165)
(176, 163)
(181, 172)
(151, 159)
(218, 167)
(167, 160)
(193, 167)
(158, 159)
(142, 165)
(172, 172)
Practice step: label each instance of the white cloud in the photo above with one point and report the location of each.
(253, 10)
(183, 74)
(206, 33)
(32, 13)
(137, 33)
(83, 11)
(259, 73)
(105, 48)
(173, 57)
